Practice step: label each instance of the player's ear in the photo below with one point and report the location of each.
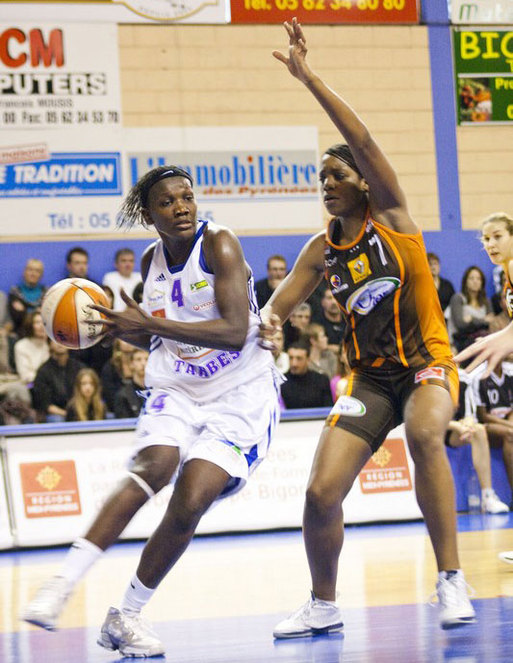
(147, 217)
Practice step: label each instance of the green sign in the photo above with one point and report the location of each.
(483, 63)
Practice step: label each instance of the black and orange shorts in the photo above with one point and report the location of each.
(376, 397)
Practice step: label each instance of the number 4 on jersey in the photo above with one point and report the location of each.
(176, 293)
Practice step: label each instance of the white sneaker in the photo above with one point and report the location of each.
(455, 608)
(315, 617)
(506, 556)
(48, 603)
(492, 504)
(132, 635)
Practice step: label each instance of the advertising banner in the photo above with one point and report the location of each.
(481, 12)
(325, 11)
(6, 538)
(483, 63)
(58, 76)
(119, 11)
(59, 482)
(252, 179)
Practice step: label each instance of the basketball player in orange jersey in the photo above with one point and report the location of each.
(497, 240)
(374, 259)
(211, 406)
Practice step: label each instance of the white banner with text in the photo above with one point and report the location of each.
(59, 482)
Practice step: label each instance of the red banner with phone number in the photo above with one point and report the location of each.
(325, 11)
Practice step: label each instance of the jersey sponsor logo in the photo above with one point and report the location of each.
(204, 305)
(330, 262)
(337, 285)
(198, 285)
(359, 268)
(159, 278)
(156, 304)
(369, 295)
(509, 301)
(430, 373)
(349, 406)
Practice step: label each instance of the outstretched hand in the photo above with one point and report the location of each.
(492, 349)
(296, 60)
(122, 324)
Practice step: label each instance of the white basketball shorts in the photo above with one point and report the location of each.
(233, 431)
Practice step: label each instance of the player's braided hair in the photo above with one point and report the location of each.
(342, 152)
(131, 211)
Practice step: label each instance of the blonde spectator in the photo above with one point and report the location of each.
(86, 403)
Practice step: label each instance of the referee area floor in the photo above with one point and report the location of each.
(221, 601)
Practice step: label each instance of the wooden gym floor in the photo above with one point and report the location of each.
(220, 603)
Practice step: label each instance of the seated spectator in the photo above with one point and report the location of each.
(331, 319)
(322, 359)
(86, 403)
(443, 286)
(128, 400)
(470, 310)
(53, 386)
(295, 326)
(276, 272)
(116, 371)
(77, 263)
(339, 382)
(12, 388)
(494, 405)
(465, 429)
(304, 388)
(31, 351)
(281, 358)
(124, 277)
(27, 295)
(500, 320)
(5, 317)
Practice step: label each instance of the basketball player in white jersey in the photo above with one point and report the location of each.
(212, 400)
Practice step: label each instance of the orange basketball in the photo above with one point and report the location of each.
(67, 316)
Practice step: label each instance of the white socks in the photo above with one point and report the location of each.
(79, 559)
(136, 597)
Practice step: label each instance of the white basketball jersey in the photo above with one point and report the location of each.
(186, 293)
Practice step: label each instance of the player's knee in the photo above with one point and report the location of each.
(156, 475)
(425, 443)
(189, 513)
(321, 500)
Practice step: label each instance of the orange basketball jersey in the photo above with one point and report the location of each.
(383, 285)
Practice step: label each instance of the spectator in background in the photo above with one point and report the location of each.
(443, 286)
(77, 263)
(31, 351)
(331, 319)
(276, 272)
(116, 371)
(297, 323)
(465, 429)
(470, 310)
(340, 380)
(5, 317)
(494, 404)
(27, 295)
(53, 386)
(86, 403)
(304, 388)
(123, 277)
(322, 359)
(281, 358)
(128, 400)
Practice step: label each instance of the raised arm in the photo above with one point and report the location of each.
(299, 284)
(225, 258)
(386, 197)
